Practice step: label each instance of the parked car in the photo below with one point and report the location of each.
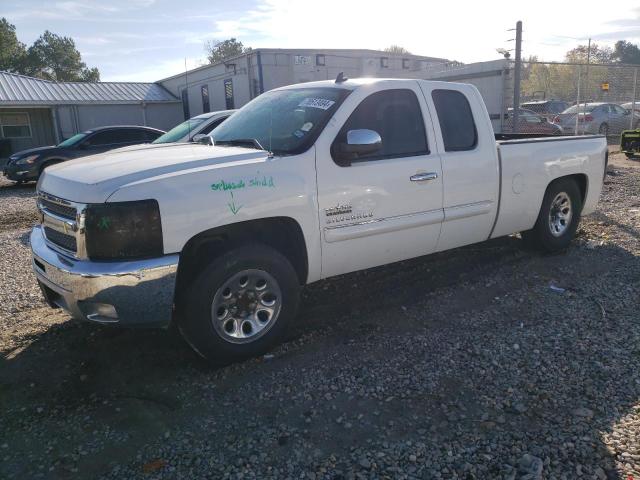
(530, 122)
(546, 108)
(627, 106)
(304, 182)
(194, 128)
(595, 118)
(29, 164)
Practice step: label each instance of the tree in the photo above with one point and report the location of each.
(596, 54)
(626, 52)
(397, 50)
(53, 57)
(219, 51)
(12, 52)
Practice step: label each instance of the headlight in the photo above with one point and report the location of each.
(123, 230)
(27, 160)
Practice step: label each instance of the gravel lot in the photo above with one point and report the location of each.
(488, 362)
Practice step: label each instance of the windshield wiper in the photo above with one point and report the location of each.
(250, 142)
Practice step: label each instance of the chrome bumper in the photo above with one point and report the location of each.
(131, 293)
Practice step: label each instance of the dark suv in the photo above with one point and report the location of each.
(547, 108)
(29, 164)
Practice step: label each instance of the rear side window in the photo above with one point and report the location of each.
(459, 131)
(396, 116)
(209, 128)
(151, 135)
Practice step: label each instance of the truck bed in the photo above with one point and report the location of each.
(528, 164)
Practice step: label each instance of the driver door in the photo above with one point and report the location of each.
(386, 205)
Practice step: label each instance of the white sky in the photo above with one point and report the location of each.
(149, 39)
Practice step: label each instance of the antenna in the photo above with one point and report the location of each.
(186, 87)
(341, 78)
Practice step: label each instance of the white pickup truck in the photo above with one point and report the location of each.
(303, 183)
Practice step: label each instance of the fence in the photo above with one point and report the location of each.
(575, 98)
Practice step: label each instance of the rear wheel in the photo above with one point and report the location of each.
(604, 129)
(558, 218)
(240, 305)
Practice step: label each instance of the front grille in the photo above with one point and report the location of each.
(65, 211)
(68, 242)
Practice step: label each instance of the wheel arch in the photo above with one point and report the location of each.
(581, 179)
(284, 234)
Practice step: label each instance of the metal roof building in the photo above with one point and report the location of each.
(35, 112)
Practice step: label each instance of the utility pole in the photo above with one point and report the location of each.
(516, 76)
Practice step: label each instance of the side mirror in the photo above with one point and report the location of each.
(544, 119)
(359, 142)
(202, 138)
(627, 112)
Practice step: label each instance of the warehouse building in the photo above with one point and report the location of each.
(36, 112)
(237, 80)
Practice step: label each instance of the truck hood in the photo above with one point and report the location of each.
(94, 178)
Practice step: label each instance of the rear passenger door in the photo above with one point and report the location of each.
(387, 205)
(467, 148)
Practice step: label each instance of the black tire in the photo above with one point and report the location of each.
(603, 129)
(196, 321)
(542, 236)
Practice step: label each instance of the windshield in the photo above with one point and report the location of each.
(285, 122)
(179, 131)
(581, 108)
(69, 142)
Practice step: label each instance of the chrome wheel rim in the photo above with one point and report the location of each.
(560, 214)
(246, 306)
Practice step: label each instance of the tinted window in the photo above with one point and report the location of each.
(396, 116)
(456, 120)
(209, 128)
(130, 135)
(104, 137)
(151, 135)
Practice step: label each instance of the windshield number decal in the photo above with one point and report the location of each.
(321, 103)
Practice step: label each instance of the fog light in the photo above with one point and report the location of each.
(99, 312)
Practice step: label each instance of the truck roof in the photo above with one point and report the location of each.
(353, 83)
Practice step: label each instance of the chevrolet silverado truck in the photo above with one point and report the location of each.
(303, 183)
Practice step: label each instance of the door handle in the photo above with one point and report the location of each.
(423, 177)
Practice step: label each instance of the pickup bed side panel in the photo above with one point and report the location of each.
(193, 201)
(529, 166)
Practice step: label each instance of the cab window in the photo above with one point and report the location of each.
(396, 116)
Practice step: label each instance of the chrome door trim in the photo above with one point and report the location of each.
(467, 210)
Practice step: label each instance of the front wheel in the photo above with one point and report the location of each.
(240, 305)
(558, 218)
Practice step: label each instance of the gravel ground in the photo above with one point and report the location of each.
(487, 362)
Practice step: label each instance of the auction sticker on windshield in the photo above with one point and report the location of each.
(321, 103)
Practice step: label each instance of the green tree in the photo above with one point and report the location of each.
(219, 51)
(626, 52)
(12, 52)
(397, 50)
(53, 57)
(596, 54)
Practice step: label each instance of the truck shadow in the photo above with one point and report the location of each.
(142, 383)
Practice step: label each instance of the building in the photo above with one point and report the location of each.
(237, 80)
(36, 112)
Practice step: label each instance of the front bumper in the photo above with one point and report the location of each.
(130, 293)
(16, 172)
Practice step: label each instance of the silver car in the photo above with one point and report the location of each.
(194, 128)
(596, 118)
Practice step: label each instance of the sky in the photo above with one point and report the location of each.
(147, 40)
